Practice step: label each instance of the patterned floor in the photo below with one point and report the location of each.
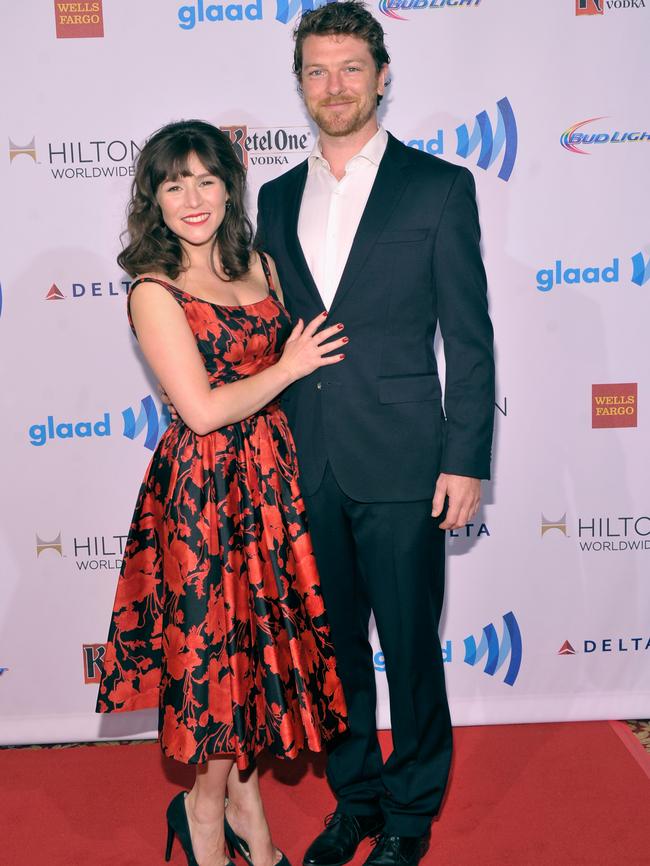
(640, 727)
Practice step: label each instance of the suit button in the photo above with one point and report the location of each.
(318, 386)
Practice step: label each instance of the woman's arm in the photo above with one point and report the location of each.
(171, 351)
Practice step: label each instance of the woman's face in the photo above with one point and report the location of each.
(193, 207)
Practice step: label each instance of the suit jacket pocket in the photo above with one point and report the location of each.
(402, 236)
(409, 389)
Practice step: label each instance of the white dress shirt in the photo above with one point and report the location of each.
(331, 210)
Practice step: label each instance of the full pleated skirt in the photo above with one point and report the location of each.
(218, 618)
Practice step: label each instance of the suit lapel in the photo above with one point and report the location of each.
(294, 249)
(385, 194)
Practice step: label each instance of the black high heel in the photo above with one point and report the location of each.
(236, 843)
(177, 825)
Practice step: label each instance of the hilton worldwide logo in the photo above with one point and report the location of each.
(602, 533)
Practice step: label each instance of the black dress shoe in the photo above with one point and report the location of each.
(340, 839)
(398, 850)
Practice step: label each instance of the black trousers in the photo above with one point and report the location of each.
(387, 558)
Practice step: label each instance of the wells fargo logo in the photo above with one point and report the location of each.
(79, 20)
(614, 405)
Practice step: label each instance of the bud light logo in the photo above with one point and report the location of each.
(392, 7)
(574, 141)
(148, 416)
(497, 653)
(491, 142)
(640, 269)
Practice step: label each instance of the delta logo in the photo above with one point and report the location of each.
(597, 7)
(392, 8)
(574, 140)
(614, 405)
(589, 646)
(100, 289)
(496, 651)
(79, 20)
(275, 145)
(150, 419)
(489, 140)
(561, 274)
(603, 533)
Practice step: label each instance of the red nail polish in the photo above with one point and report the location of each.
(340, 327)
(345, 339)
(341, 356)
(324, 313)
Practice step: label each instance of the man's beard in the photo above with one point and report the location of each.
(338, 125)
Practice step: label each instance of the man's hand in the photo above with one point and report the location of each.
(168, 403)
(464, 495)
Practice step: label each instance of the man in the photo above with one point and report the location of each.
(387, 239)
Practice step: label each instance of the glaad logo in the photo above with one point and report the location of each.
(571, 138)
(199, 12)
(288, 9)
(148, 417)
(40, 434)
(560, 525)
(93, 661)
(614, 405)
(24, 150)
(548, 278)
(491, 142)
(269, 146)
(392, 7)
(55, 545)
(640, 269)
(497, 653)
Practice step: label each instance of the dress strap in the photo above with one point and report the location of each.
(267, 273)
(173, 290)
(170, 288)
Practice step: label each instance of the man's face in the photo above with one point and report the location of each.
(340, 83)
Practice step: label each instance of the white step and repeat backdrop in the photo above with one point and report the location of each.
(548, 590)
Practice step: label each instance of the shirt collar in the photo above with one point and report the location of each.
(372, 151)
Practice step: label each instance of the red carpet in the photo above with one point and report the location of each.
(521, 795)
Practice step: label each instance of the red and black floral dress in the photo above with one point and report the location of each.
(218, 618)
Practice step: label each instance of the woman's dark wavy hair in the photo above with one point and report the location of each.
(151, 245)
(348, 18)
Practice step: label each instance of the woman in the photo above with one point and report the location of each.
(218, 618)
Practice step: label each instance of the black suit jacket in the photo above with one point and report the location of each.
(415, 262)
